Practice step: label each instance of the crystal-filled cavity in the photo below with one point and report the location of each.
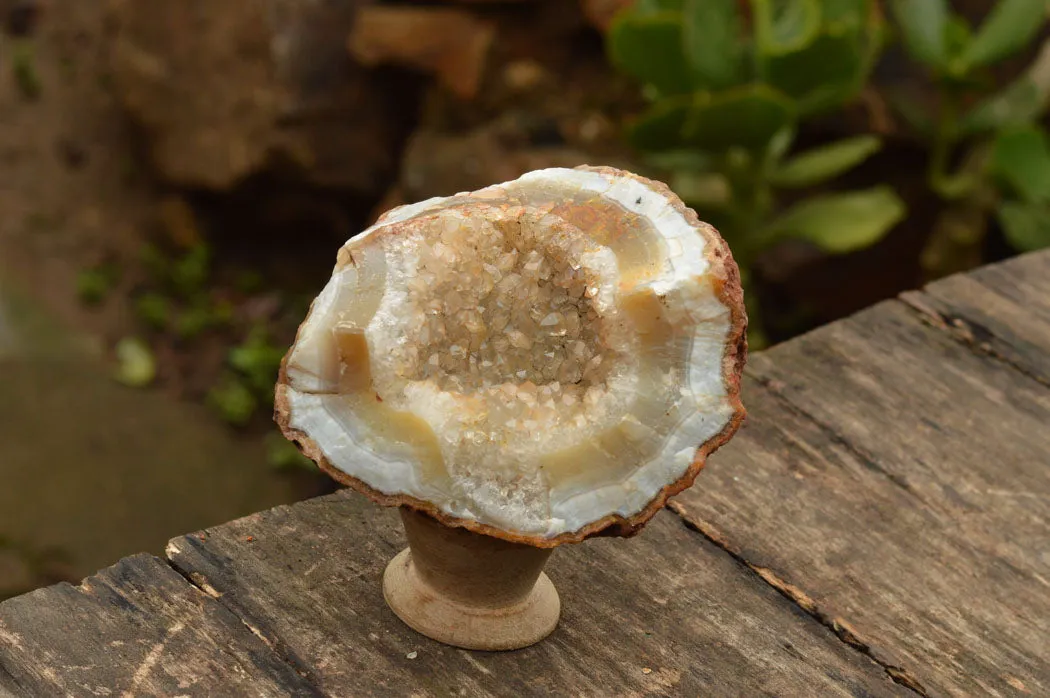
(538, 360)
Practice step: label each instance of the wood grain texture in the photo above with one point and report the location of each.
(663, 614)
(135, 629)
(889, 498)
(896, 483)
(1002, 309)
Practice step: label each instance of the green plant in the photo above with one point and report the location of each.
(94, 284)
(154, 310)
(201, 315)
(1002, 156)
(24, 70)
(189, 273)
(254, 363)
(1020, 164)
(136, 366)
(233, 400)
(727, 101)
(179, 300)
(258, 360)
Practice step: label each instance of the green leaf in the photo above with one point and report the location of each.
(746, 117)
(1021, 158)
(23, 69)
(233, 401)
(93, 285)
(957, 37)
(780, 143)
(923, 28)
(662, 127)
(1025, 226)
(1018, 103)
(782, 26)
(823, 163)
(258, 360)
(1007, 30)
(135, 364)
(193, 321)
(154, 310)
(649, 48)
(842, 222)
(823, 74)
(711, 38)
(846, 13)
(190, 273)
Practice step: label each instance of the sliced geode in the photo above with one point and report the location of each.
(539, 360)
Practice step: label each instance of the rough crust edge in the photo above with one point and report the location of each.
(729, 292)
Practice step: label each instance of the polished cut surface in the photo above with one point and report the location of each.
(537, 360)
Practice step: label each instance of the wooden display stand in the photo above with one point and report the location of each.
(470, 590)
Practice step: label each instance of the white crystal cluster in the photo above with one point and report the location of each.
(535, 356)
(497, 303)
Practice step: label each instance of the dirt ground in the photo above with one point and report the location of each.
(92, 470)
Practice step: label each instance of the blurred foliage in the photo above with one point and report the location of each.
(136, 366)
(233, 400)
(988, 133)
(258, 360)
(727, 99)
(178, 302)
(178, 299)
(249, 384)
(23, 70)
(731, 81)
(96, 283)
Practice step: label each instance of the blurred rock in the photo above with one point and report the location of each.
(548, 98)
(437, 164)
(223, 90)
(450, 44)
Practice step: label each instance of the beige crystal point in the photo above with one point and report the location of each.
(539, 361)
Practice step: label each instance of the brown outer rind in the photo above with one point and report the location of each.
(729, 292)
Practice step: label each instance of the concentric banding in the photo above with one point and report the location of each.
(537, 360)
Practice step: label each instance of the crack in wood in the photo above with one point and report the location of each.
(8, 679)
(199, 582)
(841, 628)
(966, 331)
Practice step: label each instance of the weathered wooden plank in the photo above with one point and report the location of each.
(897, 483)
(665, 613)
(134, 629)
(1003, 309)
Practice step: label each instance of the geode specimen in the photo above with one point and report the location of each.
(540, 360)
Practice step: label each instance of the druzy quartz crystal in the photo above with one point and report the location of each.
(541, 360)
